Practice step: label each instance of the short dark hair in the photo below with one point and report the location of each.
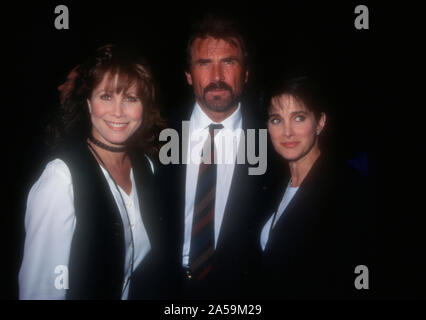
(73, 118)
(303, 88)
(218, 27)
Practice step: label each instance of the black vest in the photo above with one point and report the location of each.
(96, 264)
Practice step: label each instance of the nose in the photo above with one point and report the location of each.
(217, 72)
(117, 109)
(287, 130)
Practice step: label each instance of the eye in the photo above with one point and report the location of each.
(274, 120)
(203, 63)
(228, 62)
(300, 118)
(105, 96)
(130, 98)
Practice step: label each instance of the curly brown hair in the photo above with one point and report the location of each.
(73, 118)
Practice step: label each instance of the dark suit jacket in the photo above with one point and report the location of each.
(323, 234)
(237, 255)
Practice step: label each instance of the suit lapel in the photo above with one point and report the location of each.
(234, 201)
(299, 215)
(241, 191)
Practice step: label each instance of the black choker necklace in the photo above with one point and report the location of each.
(106, 147)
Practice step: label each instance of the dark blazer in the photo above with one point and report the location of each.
(96, 267)
(323, 234)
(237, 255)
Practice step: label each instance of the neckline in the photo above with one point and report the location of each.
(130, 195)
(200, 120)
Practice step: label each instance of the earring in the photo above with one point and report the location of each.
(318, 132)
(90, 107)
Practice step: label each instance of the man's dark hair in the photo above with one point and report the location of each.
(218, 27)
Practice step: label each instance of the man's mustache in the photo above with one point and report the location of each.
(217, 86)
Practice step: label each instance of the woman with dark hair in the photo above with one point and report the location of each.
(92, 230)
(315, 238)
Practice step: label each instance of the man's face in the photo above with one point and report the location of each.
(217, 74)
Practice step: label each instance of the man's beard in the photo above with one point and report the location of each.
(218, 103)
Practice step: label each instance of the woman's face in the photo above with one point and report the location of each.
(115, 117)
(293, 128)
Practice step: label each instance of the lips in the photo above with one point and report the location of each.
(289, 144)
(116, 126)
(218, 91)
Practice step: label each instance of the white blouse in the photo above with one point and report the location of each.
(50, 223)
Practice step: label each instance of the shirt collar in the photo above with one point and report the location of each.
(200, 120)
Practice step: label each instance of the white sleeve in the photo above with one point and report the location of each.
(49, 225)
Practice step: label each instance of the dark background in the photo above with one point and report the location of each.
(373, 79)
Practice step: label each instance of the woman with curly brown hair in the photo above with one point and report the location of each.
(91, 223)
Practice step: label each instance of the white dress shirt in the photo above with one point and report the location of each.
(288, 195)
(50, 223)
(226, 142)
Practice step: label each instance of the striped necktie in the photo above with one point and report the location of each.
(202, 235)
